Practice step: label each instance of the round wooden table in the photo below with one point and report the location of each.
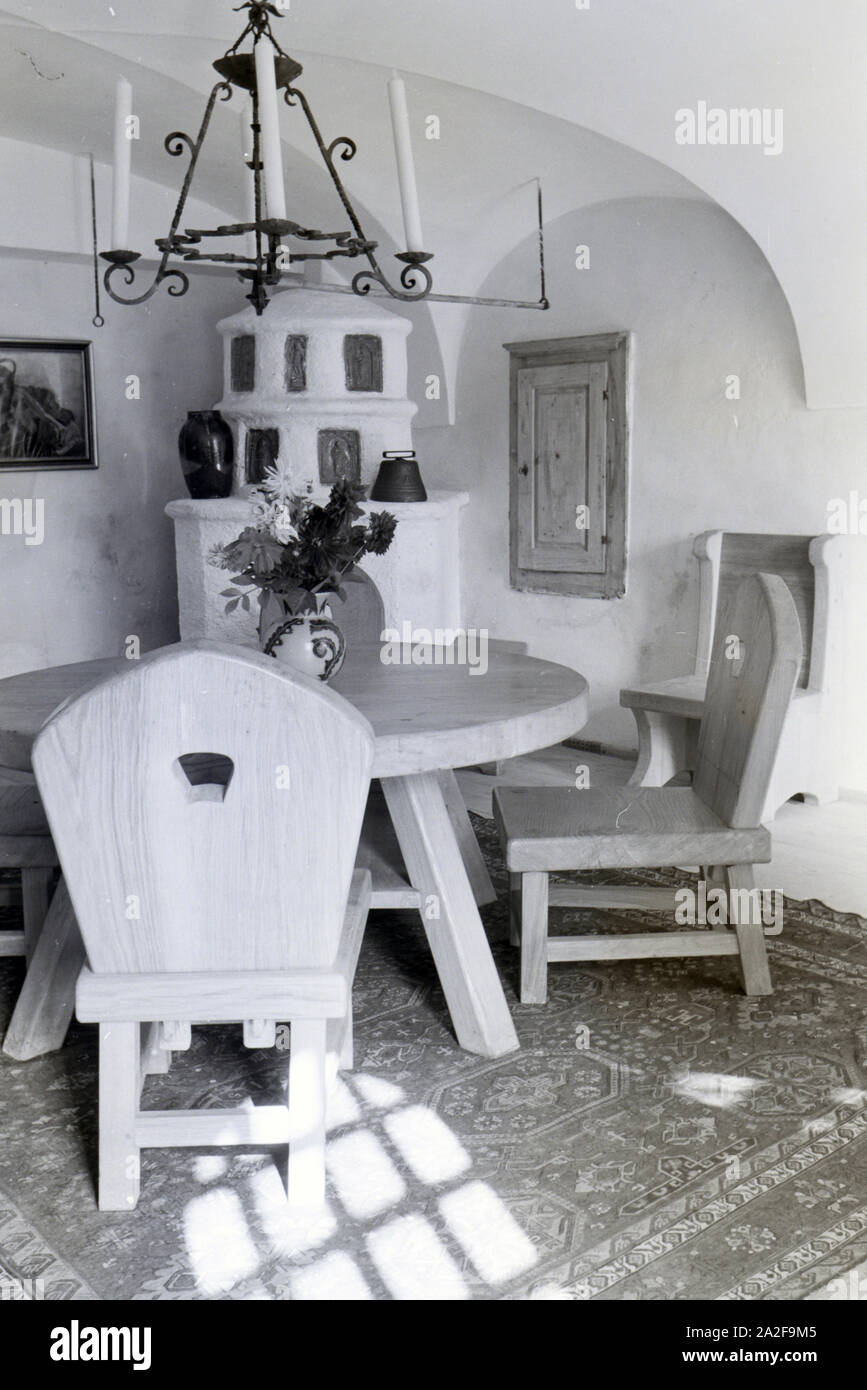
(428, 719)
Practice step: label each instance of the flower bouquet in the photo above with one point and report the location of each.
(296, 555)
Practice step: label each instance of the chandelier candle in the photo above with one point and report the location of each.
(272, 160)
(122, 165)
(405, 163)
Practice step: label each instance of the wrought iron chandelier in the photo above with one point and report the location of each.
(264, 72)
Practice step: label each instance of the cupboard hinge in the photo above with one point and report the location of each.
(605, 395)
(604, 540)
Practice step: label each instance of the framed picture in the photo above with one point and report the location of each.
(46, 404)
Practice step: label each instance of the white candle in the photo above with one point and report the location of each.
(122, 166)
(271, 156)
(405, 164)
(247, 129)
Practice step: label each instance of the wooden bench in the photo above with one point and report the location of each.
(668, 713)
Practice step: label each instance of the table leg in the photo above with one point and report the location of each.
(47, 999)
(474, 860)
(432, 855)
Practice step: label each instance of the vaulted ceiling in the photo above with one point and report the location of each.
(620, 71)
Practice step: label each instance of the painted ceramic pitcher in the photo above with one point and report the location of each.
(309, 642)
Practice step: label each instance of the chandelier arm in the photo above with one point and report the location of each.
(327, 153)
(175, 143)
(415, 278)
(128, 274)
(174, 146)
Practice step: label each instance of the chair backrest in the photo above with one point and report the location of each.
(756, 657)
(240, 859)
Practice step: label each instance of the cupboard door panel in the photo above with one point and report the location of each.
(562, 446)
(569, 463)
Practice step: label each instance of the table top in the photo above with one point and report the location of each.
(424, 717)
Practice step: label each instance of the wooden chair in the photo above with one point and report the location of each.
(668, 713)
(213, 889)
(714, 822)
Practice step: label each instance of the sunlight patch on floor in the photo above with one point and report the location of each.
(209, 1167)
(488, 1232)
(413, 1263)
(287, 1234)
(426, 1145)
(717, 1088)
(218, 1240)
(364, 1177)
(343, 1109)
(376, 1091)
(335, 1278)
(369, 1174)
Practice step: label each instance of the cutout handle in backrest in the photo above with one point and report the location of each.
(756, 656)
(204, 776)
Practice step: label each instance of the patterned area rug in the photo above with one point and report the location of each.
(658, 1136)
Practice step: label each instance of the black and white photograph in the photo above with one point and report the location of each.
(433, 768)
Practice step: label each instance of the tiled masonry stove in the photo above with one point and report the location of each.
(319, 382)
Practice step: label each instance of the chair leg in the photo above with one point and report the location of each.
(155, 1060)
(119, 1165)
(514, 909)
(339, 1046)
(751, 936)
(534, 938)
(34, 898)
(306, 1167)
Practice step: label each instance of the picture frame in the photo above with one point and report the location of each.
(47, 413)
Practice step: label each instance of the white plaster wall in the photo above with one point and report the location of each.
(702, 304)
(106, 567)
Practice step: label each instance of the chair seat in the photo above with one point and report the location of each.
(549, 828)
(682, 695)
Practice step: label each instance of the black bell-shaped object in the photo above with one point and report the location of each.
(399, 478)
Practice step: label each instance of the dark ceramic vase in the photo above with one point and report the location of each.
(207, 452)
